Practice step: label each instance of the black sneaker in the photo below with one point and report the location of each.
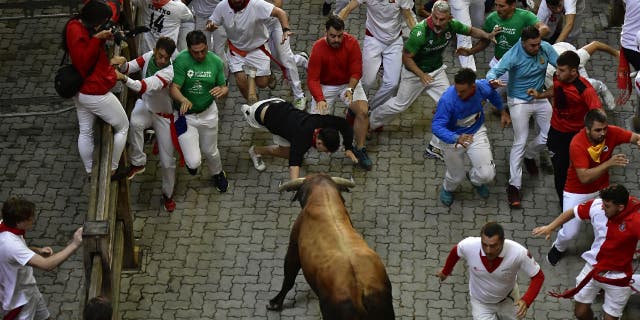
(554, 256)
(531, 166)
(220, 181)
(363, 158)
(514, 196)
(192, 172)
(326, 9)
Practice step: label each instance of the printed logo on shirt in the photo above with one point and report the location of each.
(199, 74)
(622, 227)
(448, 35)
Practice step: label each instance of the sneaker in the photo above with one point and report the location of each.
(326, 9)
(482, 190)
(149, 135)
(363, 158)
(257, 159)
(220, 181)
(300, 103)
(351, 117)
(433, 152)
(514, 196)
(554, 255)
(192, 172)
(531, 166)
(168, 203)
(609, 100)
(134, 170)
(446, 197)
(305, 60)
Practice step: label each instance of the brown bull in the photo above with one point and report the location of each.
(348, 277)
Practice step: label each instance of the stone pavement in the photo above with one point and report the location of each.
(220, 256)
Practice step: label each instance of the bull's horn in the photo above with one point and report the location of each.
(291, 185)
(344, 183)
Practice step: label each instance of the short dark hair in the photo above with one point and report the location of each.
(569, 58)
(167, 44)
(615, 193)
(465, 76)
(510, 2)
(594, 115)
(491, 229)
(334, 22)
(195, 37)
(98, 308)
(95, 13)
(330, 138)
(529, 32)
(16, 210)
(553, 2)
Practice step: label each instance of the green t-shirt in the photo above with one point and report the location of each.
(152, 68)
(196, 79)
(511, 28)
(427, 46)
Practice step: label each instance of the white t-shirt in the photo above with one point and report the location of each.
(631, 25)
(173, 20)
(17, 283)
(553, 19)
(247, 28)
(384, 19)
(203, 8)
(155, 88)
(493, 287)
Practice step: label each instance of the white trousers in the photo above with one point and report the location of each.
(142, 118)
(283, 53)
(521, 111)
(108, 108)
(202, 135)
(483, 170)
(504, 310)
(571, 228)
(331, 93)
(408, 91)
(471, 13)
(374, 54)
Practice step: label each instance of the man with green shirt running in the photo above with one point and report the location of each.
(510, 21)
(424, 70)
(199, 80)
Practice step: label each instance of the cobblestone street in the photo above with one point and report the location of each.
(220, 256)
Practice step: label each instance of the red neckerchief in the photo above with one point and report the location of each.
(159, 3)
(16, 231)
(490, 265)
(244, 5)
(315, 136)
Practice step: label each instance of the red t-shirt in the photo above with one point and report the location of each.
(580, 158)
(331, 66)
(571, 101)
(623, 233)
(84, 50)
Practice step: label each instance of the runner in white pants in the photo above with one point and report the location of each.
(471, 13)
(281, 51)
(217, 39)
(153, 109)
(382, 44)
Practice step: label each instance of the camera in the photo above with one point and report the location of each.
(120, 35)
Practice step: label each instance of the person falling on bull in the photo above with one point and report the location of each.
(295, 132)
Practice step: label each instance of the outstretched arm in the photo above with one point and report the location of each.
(555, 224)
(51, 262)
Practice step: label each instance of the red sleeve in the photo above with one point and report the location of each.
(314, 70)
(82, 48)
(591, 98)
(355, 58)
(534, 288)
(452, 259)
(584, 209)
(620, 135)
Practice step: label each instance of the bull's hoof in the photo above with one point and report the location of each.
(274, 306)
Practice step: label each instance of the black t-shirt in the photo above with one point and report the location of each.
(297, 127)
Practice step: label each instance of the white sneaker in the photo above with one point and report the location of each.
(303, 61)
(300, 103)
(257, 159)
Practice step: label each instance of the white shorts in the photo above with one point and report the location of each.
(255, 58)
(615, 297)
(249, 113)
(35, 309)
(330, 94)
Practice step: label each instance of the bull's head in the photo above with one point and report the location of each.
(302, 185)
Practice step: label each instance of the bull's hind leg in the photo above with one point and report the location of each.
(379, 305)
(291, 268)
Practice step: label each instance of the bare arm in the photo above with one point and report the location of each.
(569, 21)
(51, 262)
(346, 10)
(408, 18)
(294, 172)
(594, 46)
(543, 28)
(555, 224)
(410, 64)
(284, 22)
(176, 94)
(592, 174)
